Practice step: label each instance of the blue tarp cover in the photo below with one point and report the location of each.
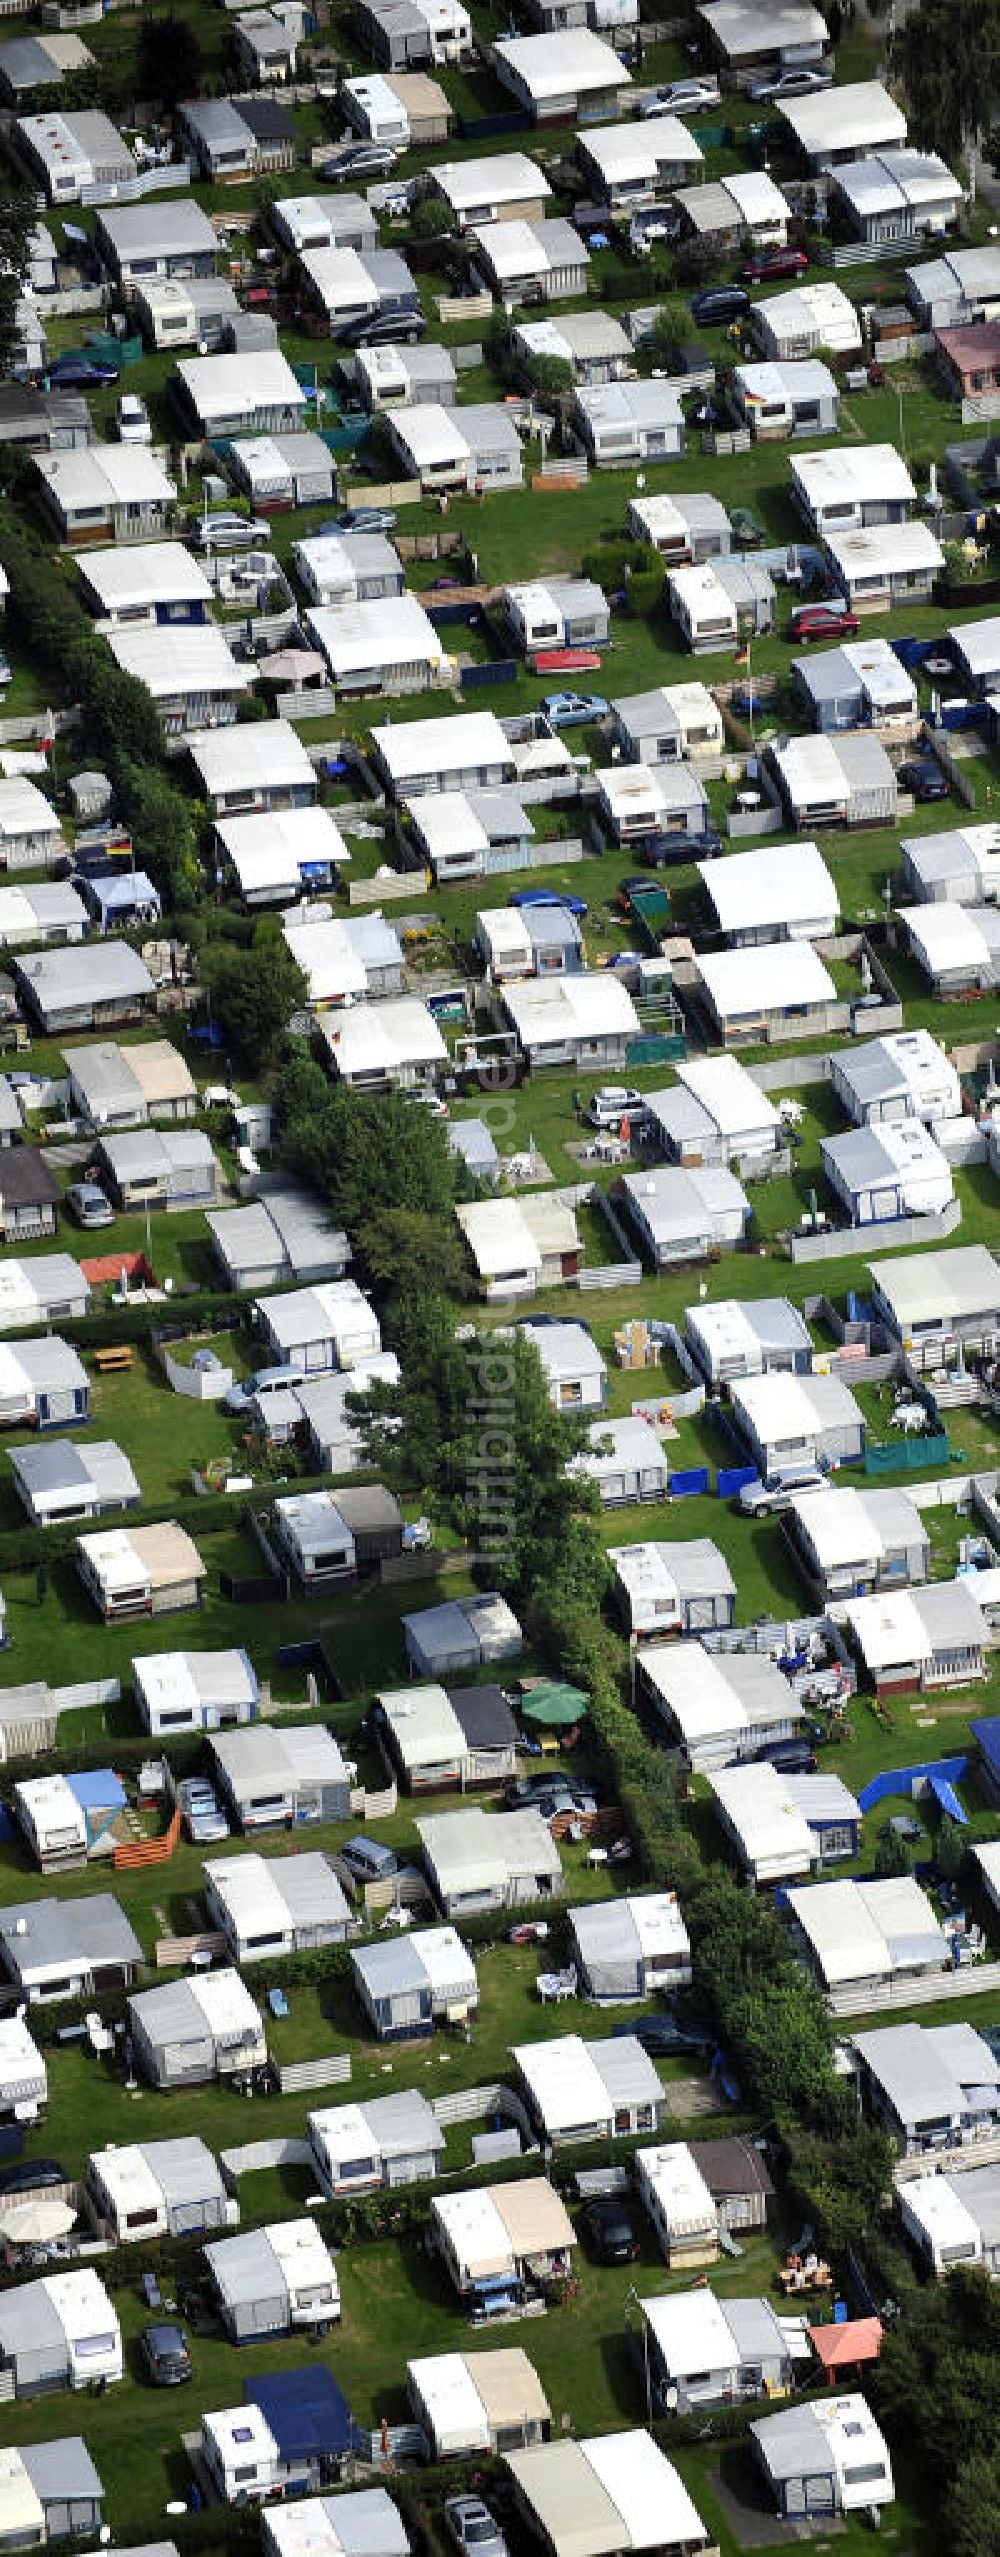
(98, 1789)
(947, 1800)
(308, 2414)
(987, 1732)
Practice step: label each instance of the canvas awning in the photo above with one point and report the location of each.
(509, 2389)
(555, 1705)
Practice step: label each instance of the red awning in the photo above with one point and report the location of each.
(843, 2347)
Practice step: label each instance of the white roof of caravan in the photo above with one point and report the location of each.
(553, 66)
(948, 936)
(727, 1093)
(565, 2081)
(895, 547)
(935, 2202)
(681, 2193)
(192, 657)
(452, 2401)
(849, 471)
(692, 2332)
(922, 1286)
(378, 1038)
(476, 2231)
(220, 385)
(501, 177)
(23, 2517)
(766, 1821)
(779, 1405)
(788, 882)
(417, 749)
(756, 197)
(334, 952)
(638, 150)
(272, 847)
(129, 2180)
(702, 1690)
(24, 809)
(93, 475)
(889, 181)
(863, 1930)
(859, 116)
(267, 753)
(656, 2509)
(743, 29)
(424, 1725)
(768, 978)
(145, 572)
(978, 645)
(592, 1004)
(376, 632)
(499, 1238)
(810, 309)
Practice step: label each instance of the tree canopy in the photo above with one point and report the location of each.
(254, 992)
(18, 219)
(169, 61)
(946, 53)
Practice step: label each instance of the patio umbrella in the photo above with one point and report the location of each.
(555, 1706)
(34, 2223)
(292, 665)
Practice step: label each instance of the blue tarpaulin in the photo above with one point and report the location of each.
(308, 2414)
(732, 1478)
(98, 1789)
(947, 1799)
(987, 1732)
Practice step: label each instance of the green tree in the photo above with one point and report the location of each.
(946, 54)
(365, 1150)
(18, 219)
(254, 993)
(169, 63)
(431, 218)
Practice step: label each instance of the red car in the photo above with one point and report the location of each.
(824, 621)
(773, 265)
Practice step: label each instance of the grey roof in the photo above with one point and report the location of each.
(184, 2169)
(367, 1507)
(402, 2124)
(310, 1889)
(628, 2073)
(472, 1139)
(367, 2523)
(26, 1179)
(245, 2268)
(57, 1931)
(732, 2166)
(605, 1929)
(27, 64)
(567, 1349)
(159, 228)
(103, 972)
(485, 1717)
(822, 1798)
(138, 1154)
(650, 714)
(793, 2444)
(171, 2013)
(699, 1569)
(29, 2321)
(923, 2077)
(58, 1464)
(63, 2470)
(391, 1968)
(217, 120)
(755, 2329)
(979, 2188)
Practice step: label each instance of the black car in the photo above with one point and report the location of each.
(610, 2229)
(793, 1757)
(165, 2356)
(923, 778)
(31, 2174)
(662, 2038)
(662, 851)
(81, 373)
(718, 304)
(383, 328)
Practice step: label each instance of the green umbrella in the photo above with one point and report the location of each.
(556, 1705)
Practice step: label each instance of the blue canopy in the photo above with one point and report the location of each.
(987, 1732)
(308, 2414)
(947, 1799)
(98, 1789)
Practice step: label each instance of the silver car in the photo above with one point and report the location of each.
(472, 2527)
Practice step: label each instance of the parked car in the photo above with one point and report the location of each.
(165, 2357)
(771, 266)
(663, 2038)
(229, 531)
(611, 2229)
(793, 1757)
(550, 897)
(471, 2525)
(573, 710)
(363, 519)
(923, 778)
(86, 1201)
(359, 160)
(824, 621)
(765, 1500)
(614, 1102)
(383, 328)
(794, 84)
(81, 373)
(719, 303)
(748, 532)
(683, 97)
(201, 1811)
(30, 2175)
(264, 1382)
(560, 1801)
(132, 424)
(663, 851)
(369, 1860)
